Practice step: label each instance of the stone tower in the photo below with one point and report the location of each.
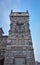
(19, 50)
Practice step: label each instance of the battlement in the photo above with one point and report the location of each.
(19, 13)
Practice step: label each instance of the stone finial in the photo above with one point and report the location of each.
(11, 11)
(1, 31)
(26, 11)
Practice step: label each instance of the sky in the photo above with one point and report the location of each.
(33, 6)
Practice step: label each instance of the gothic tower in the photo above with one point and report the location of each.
(19, 50)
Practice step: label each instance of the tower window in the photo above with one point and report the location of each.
(19, 24)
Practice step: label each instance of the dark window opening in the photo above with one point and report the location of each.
(19, 13)
(2, 61)
(19, 24)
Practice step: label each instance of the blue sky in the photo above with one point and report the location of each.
(33, 6)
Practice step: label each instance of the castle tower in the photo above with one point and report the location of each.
(19, 50)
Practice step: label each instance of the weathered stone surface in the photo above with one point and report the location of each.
(19, 41)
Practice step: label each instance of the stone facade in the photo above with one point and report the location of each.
(3, 43)
(17, 46)
(19, 40)
(37, 63)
